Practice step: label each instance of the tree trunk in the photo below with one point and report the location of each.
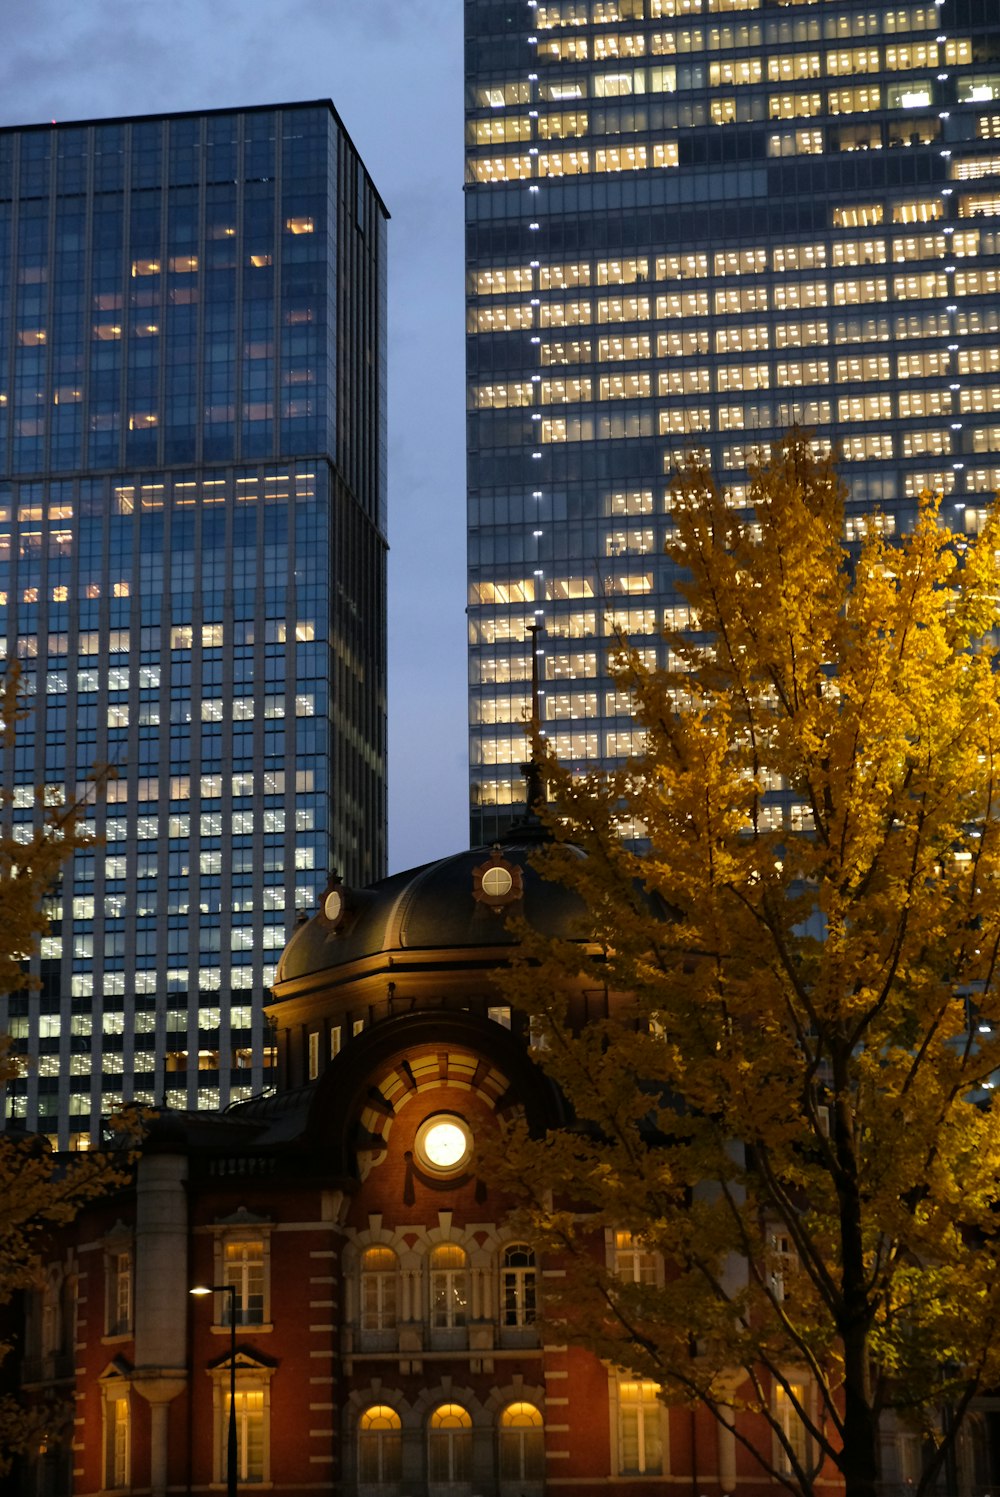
(859, 1459)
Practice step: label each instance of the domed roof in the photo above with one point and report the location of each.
(455, 903)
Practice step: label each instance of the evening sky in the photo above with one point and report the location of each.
(394, 71)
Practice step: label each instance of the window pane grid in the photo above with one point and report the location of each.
(243, 1268)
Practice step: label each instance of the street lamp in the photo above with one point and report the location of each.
(200, 1290)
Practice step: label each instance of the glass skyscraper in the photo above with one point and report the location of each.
(692, 224)
(192, 576)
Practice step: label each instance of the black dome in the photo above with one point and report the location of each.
(434, 907)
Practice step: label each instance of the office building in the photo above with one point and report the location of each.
(692, 224)
(192, 576)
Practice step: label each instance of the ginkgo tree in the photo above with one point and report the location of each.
(788, 1095)
(39, 1190)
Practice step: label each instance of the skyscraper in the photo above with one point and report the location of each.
(692, 224)
(192, 574)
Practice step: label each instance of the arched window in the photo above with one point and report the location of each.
(449, 1286)
(522, 1443)
(517, 1285)
(449, 1445)
(380, 1446)
(379, 1283)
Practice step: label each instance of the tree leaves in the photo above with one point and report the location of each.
(39, 1190)
(798, 974)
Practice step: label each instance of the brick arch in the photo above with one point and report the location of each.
(360, 1399)
(515, 1391)
(428, 1399)
(413, 1076)
(365, 1088)
(357, 1240)
(498, 1235)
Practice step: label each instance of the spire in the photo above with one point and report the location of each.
(534, 779)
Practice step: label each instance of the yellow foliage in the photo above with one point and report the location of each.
(39, 1190)
(30, 868)
(801, 975)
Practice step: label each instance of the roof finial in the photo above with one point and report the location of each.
(534, 778)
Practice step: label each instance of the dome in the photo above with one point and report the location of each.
(456, 903)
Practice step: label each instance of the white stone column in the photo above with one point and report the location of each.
(161, 1296)
(727, 1450)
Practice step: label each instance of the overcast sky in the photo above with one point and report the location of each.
(394, 70)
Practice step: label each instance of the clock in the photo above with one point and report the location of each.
(333, 905)
(444, 1143)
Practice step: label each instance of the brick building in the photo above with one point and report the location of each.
(385, 1327)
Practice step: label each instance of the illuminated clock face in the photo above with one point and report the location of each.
(333, 905)
(444, 1143)
(497, 882)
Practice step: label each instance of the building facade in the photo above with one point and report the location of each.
(692, 224)
(389, 1335)
(192, 576)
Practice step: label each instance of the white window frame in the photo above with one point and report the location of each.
(119, 1286)
(515, 1437)
(116, 1432)
(251, 1378)
(380, 1440)
(52, 1329)
(242, 1274)
(630, 1261)
(796, 1432)
(650, 1417)
(520, 1312)
(385, 1317)
(457, 1441)
(453, 1284)
(242, 1228)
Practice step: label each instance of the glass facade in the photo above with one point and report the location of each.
(192, 576)
(690, 225)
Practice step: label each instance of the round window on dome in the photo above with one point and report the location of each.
(497, 882)
(444, 1143)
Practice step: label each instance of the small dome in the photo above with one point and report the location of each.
(456, 903)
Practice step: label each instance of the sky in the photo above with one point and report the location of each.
(394, 71)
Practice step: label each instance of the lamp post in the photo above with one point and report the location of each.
(230, 1289)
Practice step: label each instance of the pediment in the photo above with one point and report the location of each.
(246, 1361)
(241, 1217)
